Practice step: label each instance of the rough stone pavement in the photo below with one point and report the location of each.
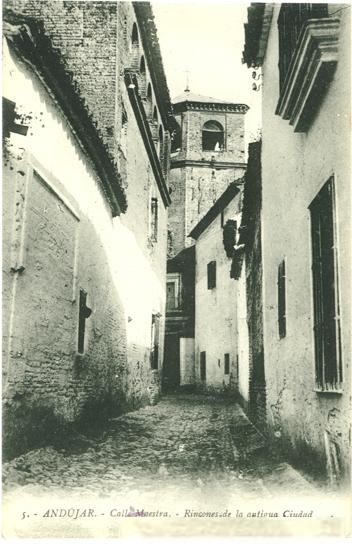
(189, 453)
(192, 441)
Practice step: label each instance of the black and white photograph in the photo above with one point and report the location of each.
(176, 288)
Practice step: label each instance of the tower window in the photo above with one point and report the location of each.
(212, 136)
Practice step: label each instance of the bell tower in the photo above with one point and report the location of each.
(207, 154)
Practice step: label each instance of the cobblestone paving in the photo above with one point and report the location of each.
(185, 441)
(191, 465)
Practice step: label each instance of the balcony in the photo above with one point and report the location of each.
(308, 50)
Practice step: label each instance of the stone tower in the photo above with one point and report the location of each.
(208, 153)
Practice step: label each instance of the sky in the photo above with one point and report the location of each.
(206, 39)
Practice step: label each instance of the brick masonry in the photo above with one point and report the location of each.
(62, 237)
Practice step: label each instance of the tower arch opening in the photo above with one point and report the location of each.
(212, 136)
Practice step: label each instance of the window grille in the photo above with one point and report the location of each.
(328, 366)
(281, 296)
(291, 20)
(212, 275)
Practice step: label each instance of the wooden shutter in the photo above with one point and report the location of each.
(211, 274)
(281, 285)
(324, 270)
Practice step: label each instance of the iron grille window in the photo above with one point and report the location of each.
(291, 20)
(281, 298)
(328, 366)
(212, 275)
(227, 363)
(203, 369)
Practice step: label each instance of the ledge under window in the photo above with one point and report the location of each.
(329, 391)
(310, 71)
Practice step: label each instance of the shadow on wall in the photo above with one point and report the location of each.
(51, 387)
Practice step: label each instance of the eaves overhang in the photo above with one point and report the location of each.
(26, 36)
(256, 30)
(143, 125)
(151, 48)
(188, 105)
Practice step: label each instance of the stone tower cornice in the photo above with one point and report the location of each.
(209, 106)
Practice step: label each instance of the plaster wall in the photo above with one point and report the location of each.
(216, 311)
(295, 166)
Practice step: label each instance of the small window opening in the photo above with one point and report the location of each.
(203, 369)
(154, 355)
(227, 363)
(211, 269)
(84, 313)
(154, 219)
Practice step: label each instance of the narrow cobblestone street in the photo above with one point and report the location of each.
(187, 453)
(189, 440)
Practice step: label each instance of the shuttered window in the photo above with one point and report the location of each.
(328, 367)
(281, 298)
(154, 219)
(203, 370)
(212, 275)
(227, 363)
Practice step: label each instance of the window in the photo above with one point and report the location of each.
(328, 366)
(123, 141)
(212, 275)
(291, 19)
(222, 219)
(154, 219)
(227, 364)
(84, 313)
(212, 136)
(203, 368)
(281, 298)
(154, 355)
(173, 292)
